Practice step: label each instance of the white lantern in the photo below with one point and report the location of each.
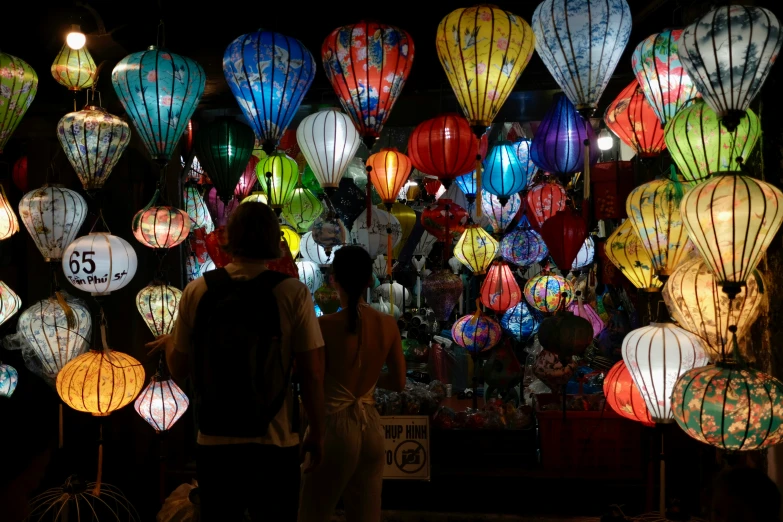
(99, 263)
(657, 355)
(310, 275)
(585, 255)
(374, 238)
(425, 244)
(53, 216)
(9, 302)
(328, 140)
(383, 291)
(312, 251)
(161, 403)
(207, 266)
(379, 267)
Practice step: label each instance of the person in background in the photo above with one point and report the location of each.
(359, 340)
(239, 331)
(745, 495)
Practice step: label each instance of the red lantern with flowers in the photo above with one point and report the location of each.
(19, 174)
(623, 396)
(444, 147)
(564, 234)
(500, 290)
(161, 226)
(544, 200)
(444, 219)
(633, 120)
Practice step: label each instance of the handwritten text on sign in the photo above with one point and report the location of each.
(407, 441)
(84, 272)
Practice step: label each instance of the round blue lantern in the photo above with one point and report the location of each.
(269, 74)
(8, 379)
(160, 91)
(522, 148)
(520, 321)
(504, 175)
(467, 184)
(558, 145)
(523, 246)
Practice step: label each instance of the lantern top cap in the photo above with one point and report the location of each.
(96, 108)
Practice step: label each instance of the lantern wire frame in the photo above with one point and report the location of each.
(76, 499)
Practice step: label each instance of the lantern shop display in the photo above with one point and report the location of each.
(310, 274)
(9, 378)
(375, 238)
(9, 225)
(224, 147)
(161, 403)
(53, 216)
(74, 69)
(10, 303)
(329, 140)
(544, 200)
(523, 246)
(158, 305)
(631, 118)
(623, 396)
(521, 321)
(476, 332)
(476, 249)
(500, 290)
(441, 289)
(624, 249)
(548, 292)
(99, 263)
(19, 84)
(564, 234)
(443, 147)
(161, 227)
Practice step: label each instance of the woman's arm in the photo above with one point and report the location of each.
(395, 360)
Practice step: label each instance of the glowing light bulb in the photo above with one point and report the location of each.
(605, 141)
(76, 38)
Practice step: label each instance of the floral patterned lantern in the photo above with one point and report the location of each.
(548, 292)
(500, 290)
(728, 53)
(160, 91)
(545, 200)
(268, 74)
(467, 184)
(580, 42)
(504, 174)
(74, 69)
(9, 377)
(161, 226)
(585, 311)
(697, 303)
(564, 234)
(292, 239)
(585, 255)
(389, 169)
(53, 216)
(312, 251)
(10, 303)
(701, 146)
(624, 249)
(476, 249)
(367, 64)
(18, 85)
(661, 76)
(9, 225)
(328, 231)
(329, 142)
(197, 209)
(523, 246)
(220, 212)
(476, 332)
(425, 244)
(19, 174)
(303, 209)
(247, 181)
(161, 403)
(310, 275)
(442, 290)
(443, 147)
(224, 147)
(444, 219)
(375, 238)
(522, 148)
(500, 215)
(158, 304)
(520, 321)
(278, 175)
(633, 120)
(99, 263)
(348, 201)
(623, 396)
(215, 242)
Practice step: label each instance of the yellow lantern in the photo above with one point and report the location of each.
(256, 197)
(158, 304)
(9, 225)
(292, 238)
(407, 218)
(624, 249)
(654, 211)
(476, 249)
(74, 69)
(278, 174)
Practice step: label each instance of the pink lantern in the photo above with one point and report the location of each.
(247, 181)
(585, 311)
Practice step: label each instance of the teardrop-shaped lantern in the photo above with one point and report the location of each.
(9, 225)
(580, 42)
(303, 209)
(74, 69)
(521, 321)
(328, 140)
(367, 64)
(467, 184)
(224, 147)
(624, 249)
(160, 91)
(732, 220)
(375, 237)
(407, 218)
(278, 175)
(548, 292)
(623, 396)
(523, 246)
(701, 146)
(522, 148)
(99, 263)
(161, 226)
(500, 215)
(52, 215)
(10, 303)
(476, 332)
(483, 50)
(633, 120)
(219, 211)
(248, 180)
(476, 249)
(269, 74)
(93, 141)
(581, 309)
(728, 53)
(443, 146)
(197, 209)
(500, 290)
(444, 219)
(18, 86)
(389, 169)
(161, 403)
(158, 304)
(292, 239)
(661, 76)
(503, 175)
(564, 234)
(545, 200)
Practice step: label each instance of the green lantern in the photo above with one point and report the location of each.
(224, 147)
(278, 175)
(310, 182)
(18, 85)
(74, 69)
(701, 146)
(303, 209)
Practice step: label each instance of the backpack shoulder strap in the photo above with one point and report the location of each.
(217, 280)
(272, 278)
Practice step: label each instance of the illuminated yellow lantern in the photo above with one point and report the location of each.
(407, 218)
(74, 69)
(292, 238)
(278, 175)
(256, 197)
(158, 304)
(624, 249)
(476, 249)
(654, 211)
(9, 225)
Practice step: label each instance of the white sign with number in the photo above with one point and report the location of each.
(99, 263)
(407, 447)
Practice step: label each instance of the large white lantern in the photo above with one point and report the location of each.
(53, 216)
(10, 303)
(312, 251)
(375, 237)
(310, 275)
(385, 291)
(99, 263)
(328, 140)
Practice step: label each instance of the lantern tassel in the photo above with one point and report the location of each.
(479, 210)
(70, 317)
(97, 490)
(368, 198)
(586, 180)
(61, 437)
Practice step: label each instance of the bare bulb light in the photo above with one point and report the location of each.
(76, 38)
(605, 141)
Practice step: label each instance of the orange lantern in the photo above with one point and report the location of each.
(500, 290)
(161, 226)
(545, 200)
(634, 121)
(623, 395)
(389, 169)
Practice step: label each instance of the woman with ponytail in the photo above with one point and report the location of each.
(359, 340)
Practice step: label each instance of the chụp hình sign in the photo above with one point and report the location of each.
(407, 440)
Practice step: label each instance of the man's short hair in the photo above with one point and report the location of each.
(253, 232)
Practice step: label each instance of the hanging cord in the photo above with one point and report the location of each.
(160, 37)
(479, 210)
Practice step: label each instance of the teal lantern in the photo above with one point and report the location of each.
(504, 174)
(160, 91)
(18, 85)
(224, 147)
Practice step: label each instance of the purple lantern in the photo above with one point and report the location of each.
(476, 332)
(585, 311)
(442, 290)
(220, 211)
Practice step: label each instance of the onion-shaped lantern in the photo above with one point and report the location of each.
(278, 175)
(10, 303)
(661, 76)
(585, 255)
(303, 209)
(443, 147)
(580, 43)
(623, 396)
(546, 199)
(367, 64)
(224, 147)
(476, 249)
(504, 174)
(548, 292)
(247, 181)
(701, 146)
(522, 148)
(19, 174)
(476, 332)
(292, 239)
(93, 141)
(99, 263)
(728, 53)
(521, 321)
(312, 251)
(442, 289)
(161, 226)
(160, 91)
(220, 211)
(624, 249)
(523, 246)
(268, 74)
(444, 219)
(52, 215)
(500, 290)
(394, 295)
(74, 69)
(564, 234)
(633, 120)
(197, 209)
(158, 304)
(9, 378)
(161, 403)
(375, 238)
(328, 141)
(9, 225)
(580, 309)
(732, 219)
(389, 169)
(18, 85)
(500, 215)
(310, 274)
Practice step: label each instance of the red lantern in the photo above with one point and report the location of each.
(288, 143)
(432, 185)
(633, 120)
(285, 263)
(500, 290)
(444, 219)
(444, 147)
(623, 395)
(390, 171)
(611, 182)
(564, 234)
(545, 200)
(19, 174)
(215, 241)
(161, 226)
(247, 181)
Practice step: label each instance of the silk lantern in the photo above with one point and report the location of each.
(661, 76)
(303, 209)
(523, 246)
(394, 294)
(697, 303)
(375, 238)
(367, 64)
(522, 148)
(521, 321)
(444, 219)
(564, 234)
(10, 303)
(623, 396)
(310, 275)
(247, 181)
(425, 244)
(580, 42)
(292, 239)
(442, 289)
(53, 216)
(433, 187)
(585, 311)
(443, 147)
(74, 69)
(357, 171)
(565, 334)
(389, 169)
(701, 146)
(585, 255)
(268, 74)
(99, 263)
(732, 220)
(9, 225)
(548, 292)
(728, 53)
(407, 218)
(278, 174)
(9, 377)
(161, 226)
(158, 305)
(161, 403)
(624, 249)
(197, 209)
(18, 85)
(224, 147)
(160, 92)
(500, 215)
(476, 332)
(312, 251)
(310, 182)
(257, 197)
(215, 243)
(467, 184)
(504, 174)
(206, 267)
(476, 249)
(329, 141)
(93, 141)
(285, 263)
(348, 201)
(633, 120)
(500, 290)
(328, 231)
(220, 211)
(19, 174)
(546, 199)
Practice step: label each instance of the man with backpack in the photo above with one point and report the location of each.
(239, 332)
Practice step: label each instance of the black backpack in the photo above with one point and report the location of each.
(241, 379)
